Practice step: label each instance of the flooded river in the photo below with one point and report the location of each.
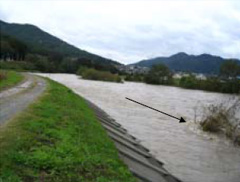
(187, 152)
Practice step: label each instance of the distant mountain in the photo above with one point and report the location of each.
(204, 63)
(41, 42)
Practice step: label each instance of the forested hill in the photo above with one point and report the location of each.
(204, 63)
(43, 43)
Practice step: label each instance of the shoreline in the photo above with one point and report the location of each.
(140, 162)
(177, 140)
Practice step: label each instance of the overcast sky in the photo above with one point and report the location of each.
(129, 31)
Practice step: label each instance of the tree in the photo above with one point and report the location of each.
(188, 81)
(6, 50)
(81, 70)
(85, 62)
(20, 49)
(230, 69)
(42, 64)
(55, 58)
(68, 65)
(159, 74)
(11, 48)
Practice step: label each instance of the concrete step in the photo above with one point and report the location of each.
(144, 166)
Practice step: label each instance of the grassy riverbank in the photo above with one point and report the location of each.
(59, 139)
(9, 79)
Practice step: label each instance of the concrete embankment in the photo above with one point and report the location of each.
(140, 162)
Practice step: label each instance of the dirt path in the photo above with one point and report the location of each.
(16, 99)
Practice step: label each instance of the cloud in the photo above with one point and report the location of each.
(128, 31)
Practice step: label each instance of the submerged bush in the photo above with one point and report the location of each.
(221, 118)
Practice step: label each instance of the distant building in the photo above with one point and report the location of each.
(199, 76)
(132, 69)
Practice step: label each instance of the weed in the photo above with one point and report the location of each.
(221, 118)
(9, 79)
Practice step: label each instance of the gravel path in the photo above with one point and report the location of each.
(16, 99)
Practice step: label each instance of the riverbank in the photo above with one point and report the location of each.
(138, 158)
(9, 79)
(58, 138)
(210, 84)
(176, 145)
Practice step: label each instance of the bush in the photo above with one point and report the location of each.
(188, 82)
(81, 70)
(216, 121)
(213, 84)
(17, 65)
(68, 65)
(93, 74)
(221, 119)
(134, 77)
(159, 74)
(3, 76)
(9, 79)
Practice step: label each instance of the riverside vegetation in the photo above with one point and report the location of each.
(226, 81)
(93, 74)
(58, 138)
(221, 118)
(21, 56)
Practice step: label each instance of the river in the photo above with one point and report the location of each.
(187, 152)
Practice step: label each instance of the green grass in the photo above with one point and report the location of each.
(9, 79)
(17, 65)
(58, 138)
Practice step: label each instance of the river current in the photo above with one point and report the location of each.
(186, 151)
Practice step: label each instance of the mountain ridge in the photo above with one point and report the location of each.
(42, 42)
(203, 63)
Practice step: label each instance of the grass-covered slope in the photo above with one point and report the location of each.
(9, 79)
(59, 139)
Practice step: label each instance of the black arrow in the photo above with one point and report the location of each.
(181, 120)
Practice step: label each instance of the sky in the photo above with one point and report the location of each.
(130, 30)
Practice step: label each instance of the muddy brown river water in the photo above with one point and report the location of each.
(187, 152)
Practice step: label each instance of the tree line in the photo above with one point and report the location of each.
(12, 48)
(227, 81)
(15, 54)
